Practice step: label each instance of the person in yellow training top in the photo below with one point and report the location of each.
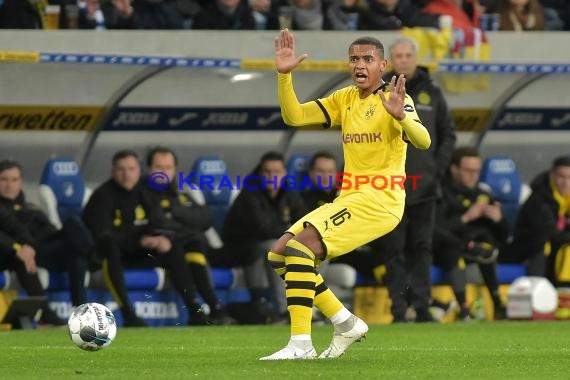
(377, 120)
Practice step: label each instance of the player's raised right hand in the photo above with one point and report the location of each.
(285, 59)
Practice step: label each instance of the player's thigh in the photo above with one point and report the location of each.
(349, 223)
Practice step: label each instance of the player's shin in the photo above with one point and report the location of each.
(300, 279)
(324, 300)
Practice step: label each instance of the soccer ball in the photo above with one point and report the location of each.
(92, 326)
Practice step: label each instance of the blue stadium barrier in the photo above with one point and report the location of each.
(156, 306)
(506, 274)
(177, 61)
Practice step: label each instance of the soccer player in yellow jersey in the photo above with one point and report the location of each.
(377, 120)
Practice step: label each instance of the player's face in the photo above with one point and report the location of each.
(127, 172)
(561, 179)
(164, 162)
(273, 171)
(468, 172)
(323, 174)
(366, 66)
(404, 59)
(10, 183)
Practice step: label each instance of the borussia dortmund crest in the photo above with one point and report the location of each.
(370, 111)
(424, 98)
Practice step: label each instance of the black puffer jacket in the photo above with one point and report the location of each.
(30, 217)
(455, 202)
(12, 232)
(537, 221)
(123, 214)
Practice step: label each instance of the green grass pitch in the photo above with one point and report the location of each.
(483, 350)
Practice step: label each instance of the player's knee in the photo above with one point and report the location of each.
(279, 246)
(311, 239)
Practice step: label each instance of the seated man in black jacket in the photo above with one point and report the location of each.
(18, 251)
(542, 230)
(189, 221)
(473, 219)
(260, 214)
(66, 250)
(130, 229)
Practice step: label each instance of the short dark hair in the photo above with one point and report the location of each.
(122, 154)
(462, 152)
(9, 164)
(370, 41)
(320, 154)
(269, 156)
(160, 150)
(560, 161)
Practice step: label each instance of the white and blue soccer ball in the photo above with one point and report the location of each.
(92, 326)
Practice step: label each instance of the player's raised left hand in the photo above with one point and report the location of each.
(394, 103)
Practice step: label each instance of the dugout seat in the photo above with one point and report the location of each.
(62, 194)
(4, 280)
(213, 188)
(500, 176)
(62, 190)
(298, 167)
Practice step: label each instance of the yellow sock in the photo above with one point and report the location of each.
(300, 277)
(325, 300)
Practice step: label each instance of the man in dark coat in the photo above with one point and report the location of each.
(409, 272)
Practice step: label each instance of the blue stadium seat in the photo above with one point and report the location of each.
(500, 175)
(222, 278)
(437, 275)
(4, 279)
(62, 190)
(298, 167)
(214, 187)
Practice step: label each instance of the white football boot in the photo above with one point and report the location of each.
(293, 352)
(341, 341)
